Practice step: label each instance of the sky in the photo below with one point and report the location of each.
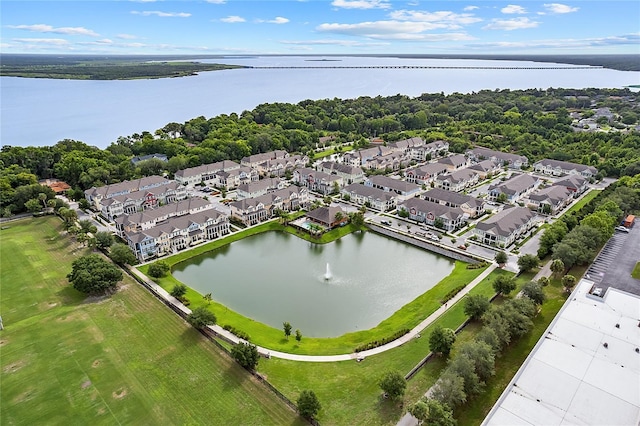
(239, 27)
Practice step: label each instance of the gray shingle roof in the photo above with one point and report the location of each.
(507, 221)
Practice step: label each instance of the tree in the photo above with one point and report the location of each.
(504, 284)
(178, 291)
(502, 198)
(104, 239)
(43, 199)
(483, 357)
(158, 269)
(449, 389)
(527, 262)
(298, 335)
(33, 206)
(308, 404)
(439, 414)
(557, 267)
(87, 227)
(420, 410)
(287, 329)
(201, 317)
(84, 204)
(543, 281)
(207, 297)
(475, 306)
(568, 281)
(501, 258)
(533, 291)
(441, 340)
(464, 367)
(92, 274)
(393, 384)
(122, 254)
(246, 355)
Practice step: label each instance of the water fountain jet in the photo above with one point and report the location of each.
(327, 274)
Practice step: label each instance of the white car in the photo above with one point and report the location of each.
(622, 229)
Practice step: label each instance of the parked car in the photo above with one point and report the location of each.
(386, 222)
(622, 229)
(462, 247)
(421, 234)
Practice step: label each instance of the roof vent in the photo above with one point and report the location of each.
(617, 325)
(606, 345)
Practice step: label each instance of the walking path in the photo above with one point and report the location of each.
(326, 358)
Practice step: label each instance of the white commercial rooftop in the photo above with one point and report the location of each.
(571, 377)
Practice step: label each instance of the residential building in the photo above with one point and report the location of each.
(514, 161)
(326, 216)
(574, 183)
(255, 160)
(454, 162)
(150, 198)
(58, 186)
(550, 200)
(406, 146)
(177, 233)
(434, 214)
(471, 206)
(504, 228)
(373, 197)
(515, 188)
(95, 195)
(486, 168)
(403, 189)
(260, 187)
(349, 174)
(560, 168)
(147, 219)
(426, 174)
(390, 161)
(316, 181)
(251, 211)
(457, 180)
(360, 157)
(231, 179)
(205, 173)
(279, 166)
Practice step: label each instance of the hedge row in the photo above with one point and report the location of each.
(383, 341)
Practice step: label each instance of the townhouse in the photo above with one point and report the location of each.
(95, 195)
(177, 233)
(403, 189)
(371, 197)
(147, 219)
(349, 174)
(551, 199)
(457, 180)
(150, 198)
(279, 166)
(454, 162)
(423, 175)
(560, 168)
(515, 188)
(251, 211)
(205, 173)
(574, 183)
(317, 181)
(231, 179)
(253, 161)
(258, 188)
(513, 161)
(505, 227)
(486, 168)
(471, 206)
(435, 214)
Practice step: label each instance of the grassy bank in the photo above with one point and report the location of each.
(125, 359)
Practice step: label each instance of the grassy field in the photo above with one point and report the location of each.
(126, 359)
(636, 271)
(583, 201)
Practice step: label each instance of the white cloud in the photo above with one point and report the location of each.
(276, 20)
(470, 8)
(233, 19)
(628, 39)
(511, 24)
(217, 1)
(558, 8)
(161, 14)
(43, 28)
(127, 36)
(361, 4)
(513, 9)
(393, 30)
(441, 19)
(45, 41)
(329, 42)
(102, 42)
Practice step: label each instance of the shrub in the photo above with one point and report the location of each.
(241, 334)
(451, 294)
(383, 341)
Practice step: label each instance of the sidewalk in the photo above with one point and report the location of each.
(327, 358)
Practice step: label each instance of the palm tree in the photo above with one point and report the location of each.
(43, 197)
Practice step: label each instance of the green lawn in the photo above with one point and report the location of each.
(583, 201)
(636, 271)
(125, 359)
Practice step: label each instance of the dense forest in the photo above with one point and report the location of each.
(536, 123)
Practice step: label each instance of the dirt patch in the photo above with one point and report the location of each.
(96, 363)
(13, 367)
(52, 304)
(86, 384)
(3, 342)
(24, 396)
(101, 411)
(119, 394)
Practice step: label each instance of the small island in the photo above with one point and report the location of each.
(102, 67)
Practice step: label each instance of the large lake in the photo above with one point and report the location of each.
(276, 277)
(38, 112)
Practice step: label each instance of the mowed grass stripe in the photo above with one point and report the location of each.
(126, 359)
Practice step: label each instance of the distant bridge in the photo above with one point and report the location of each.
(425, 67)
